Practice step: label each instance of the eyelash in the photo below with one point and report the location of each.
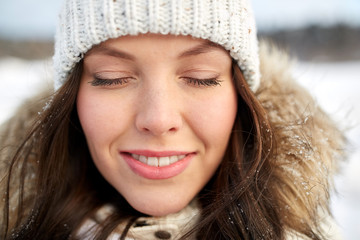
(207, 82)
(108, 82)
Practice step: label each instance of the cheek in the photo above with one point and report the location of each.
(99, 119)
(90, 112)
(213, 118)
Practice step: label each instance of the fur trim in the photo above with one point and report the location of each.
(12, 133)
(308, 144)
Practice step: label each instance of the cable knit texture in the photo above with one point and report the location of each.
(85, 23)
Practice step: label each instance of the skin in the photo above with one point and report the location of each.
(158, 107)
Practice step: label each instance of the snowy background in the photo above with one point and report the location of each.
(335, 85)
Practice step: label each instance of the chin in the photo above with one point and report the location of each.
(160, 207)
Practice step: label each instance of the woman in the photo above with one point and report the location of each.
(161, 127)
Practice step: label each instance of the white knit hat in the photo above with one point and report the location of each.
(85, 23)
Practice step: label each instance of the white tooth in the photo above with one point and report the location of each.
(164, 161)
(135, 156)
(142, 159)
(173, 159)
(181, 157)
(153, 161)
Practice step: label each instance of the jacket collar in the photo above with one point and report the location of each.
(171, 226)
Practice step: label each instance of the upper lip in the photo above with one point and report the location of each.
(150, 153)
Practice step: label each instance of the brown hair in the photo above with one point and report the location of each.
(236, 203)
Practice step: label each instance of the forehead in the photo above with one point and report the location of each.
(182, 45)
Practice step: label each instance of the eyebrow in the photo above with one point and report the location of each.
(199, 49)
(202, 48)
(100, 49)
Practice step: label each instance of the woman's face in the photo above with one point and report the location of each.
(157, 112)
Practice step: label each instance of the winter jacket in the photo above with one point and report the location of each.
(308, 148)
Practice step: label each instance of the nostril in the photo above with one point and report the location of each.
(158, 123)
(172, 129)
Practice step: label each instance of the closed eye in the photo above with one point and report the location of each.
(206, 82)
(109, 82)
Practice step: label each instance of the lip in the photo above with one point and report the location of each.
(152, 172)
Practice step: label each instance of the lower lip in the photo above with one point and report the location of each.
(151, 172)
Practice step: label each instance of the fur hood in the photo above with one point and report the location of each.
(308, 143)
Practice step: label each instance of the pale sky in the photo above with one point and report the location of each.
(37, 18)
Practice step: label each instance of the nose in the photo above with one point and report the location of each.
(159, 112)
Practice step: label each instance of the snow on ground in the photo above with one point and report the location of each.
(336, 87)
(21, 79)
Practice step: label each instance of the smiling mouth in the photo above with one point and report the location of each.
(158, 161)
(157, 164)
